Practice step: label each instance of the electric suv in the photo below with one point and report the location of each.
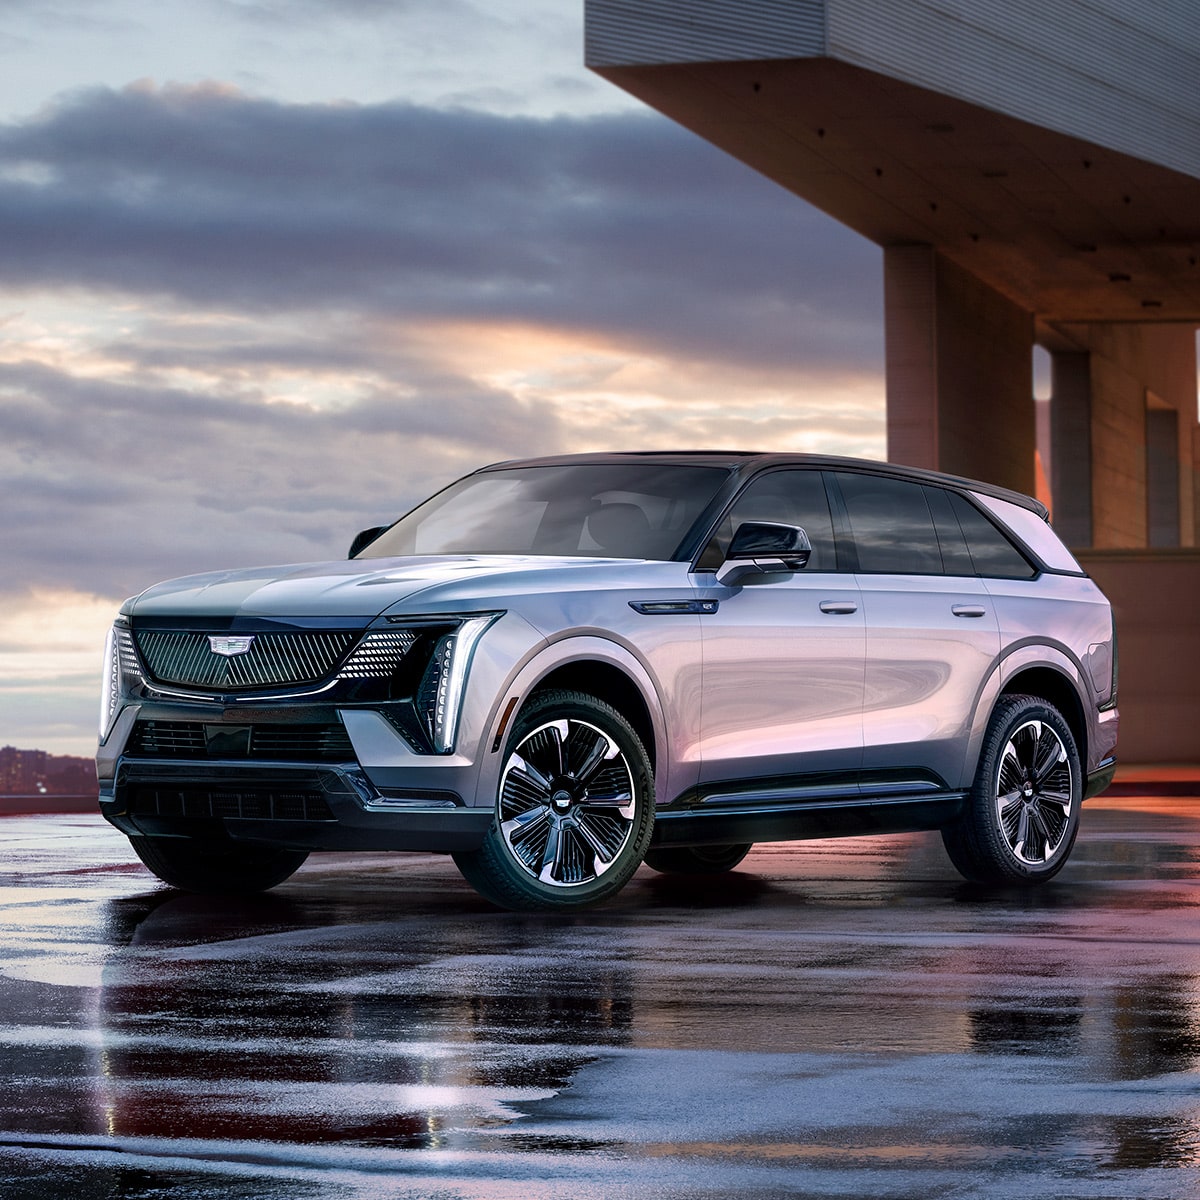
(558, 669)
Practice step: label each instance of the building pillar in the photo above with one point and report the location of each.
(1125, 437)
(1071, 445)
(959, 371)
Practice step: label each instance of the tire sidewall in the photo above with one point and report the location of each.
(504, 879)
(1016, 712)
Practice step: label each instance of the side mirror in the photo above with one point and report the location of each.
(760, 548)
(365, 538)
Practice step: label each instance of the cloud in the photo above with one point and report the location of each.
(50, 650)
(619, 224)
(235, 331)
(108, 486)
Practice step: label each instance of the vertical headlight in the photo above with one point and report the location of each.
(121, 671)
(446, 677)
(109, 684)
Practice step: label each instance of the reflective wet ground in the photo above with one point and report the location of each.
(834, 1019)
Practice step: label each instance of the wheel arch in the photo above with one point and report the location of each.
(599, 668)
(605, 681)
(1051, 685)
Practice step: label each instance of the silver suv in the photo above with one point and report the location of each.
(558, 669)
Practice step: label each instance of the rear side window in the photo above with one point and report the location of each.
(1034, 532)
(892, 525)
(956, 558)
(993, 555)
(787, 498)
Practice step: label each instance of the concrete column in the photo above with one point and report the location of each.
(959, 366)
(1162, 476)
(1071, 445)
(1133, 372)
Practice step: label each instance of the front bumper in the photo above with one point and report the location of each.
(303, 807)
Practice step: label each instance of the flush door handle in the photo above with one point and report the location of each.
(968, 610)
(838, 607)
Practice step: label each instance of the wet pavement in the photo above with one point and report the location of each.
(837, 1018)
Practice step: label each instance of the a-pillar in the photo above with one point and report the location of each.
(959, 371)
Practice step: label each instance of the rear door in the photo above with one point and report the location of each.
(932, 635)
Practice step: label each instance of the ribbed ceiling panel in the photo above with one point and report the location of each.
(622, 33)
(1118, 74)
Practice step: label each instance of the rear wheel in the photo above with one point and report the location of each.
(697, 860)
(1022, 814)
(574, 812)
(217, 867)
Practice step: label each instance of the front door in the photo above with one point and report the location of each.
(783, 656)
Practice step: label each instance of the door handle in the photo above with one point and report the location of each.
(968, 610)
(838, 607)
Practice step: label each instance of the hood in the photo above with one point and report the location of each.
(351, 589)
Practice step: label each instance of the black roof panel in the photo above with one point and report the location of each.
(750, 461)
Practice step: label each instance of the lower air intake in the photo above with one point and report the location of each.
(258, 803)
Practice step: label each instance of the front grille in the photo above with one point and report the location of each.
(378, 655)
(280, 743)
(264, 804)
(272, 660)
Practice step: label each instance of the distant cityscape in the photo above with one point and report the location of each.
(39, 773)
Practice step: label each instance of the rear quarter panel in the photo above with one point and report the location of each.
(1062, 622)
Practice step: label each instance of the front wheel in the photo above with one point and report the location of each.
(217, 868)
(574, 810)
(1022, 814)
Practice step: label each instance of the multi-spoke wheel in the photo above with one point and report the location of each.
(1021, 817)
(574, 811)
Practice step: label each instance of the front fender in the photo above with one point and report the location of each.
(564, 651)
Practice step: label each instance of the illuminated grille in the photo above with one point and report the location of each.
(281, 743)
(273, 660)
(378, 655)
(130, 667)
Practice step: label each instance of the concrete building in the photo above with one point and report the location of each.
(1032, 172)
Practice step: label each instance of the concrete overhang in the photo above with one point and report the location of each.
(1051, 148)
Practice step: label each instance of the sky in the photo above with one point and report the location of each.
(272, 271)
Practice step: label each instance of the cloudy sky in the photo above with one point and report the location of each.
(273, 270)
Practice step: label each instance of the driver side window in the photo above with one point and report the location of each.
(795, 497)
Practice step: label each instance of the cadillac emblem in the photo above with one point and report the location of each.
(229, 646)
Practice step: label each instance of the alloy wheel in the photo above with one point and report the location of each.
(567, 806)
(1033, 792)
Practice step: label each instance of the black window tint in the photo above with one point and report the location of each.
(892, 527)
(993, 554)
(956, 558)
(788, 498)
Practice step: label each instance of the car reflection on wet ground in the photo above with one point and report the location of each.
(834, 1019)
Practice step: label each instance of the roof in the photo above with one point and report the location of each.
(749, 462)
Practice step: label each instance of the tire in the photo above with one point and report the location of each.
(697, 860)
(574, 809)
(1021, 816)
(217, 868)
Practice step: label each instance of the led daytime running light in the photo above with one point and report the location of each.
(451, 662)
(109, 684)
(121, 670)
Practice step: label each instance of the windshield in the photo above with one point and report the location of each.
(626, 510)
